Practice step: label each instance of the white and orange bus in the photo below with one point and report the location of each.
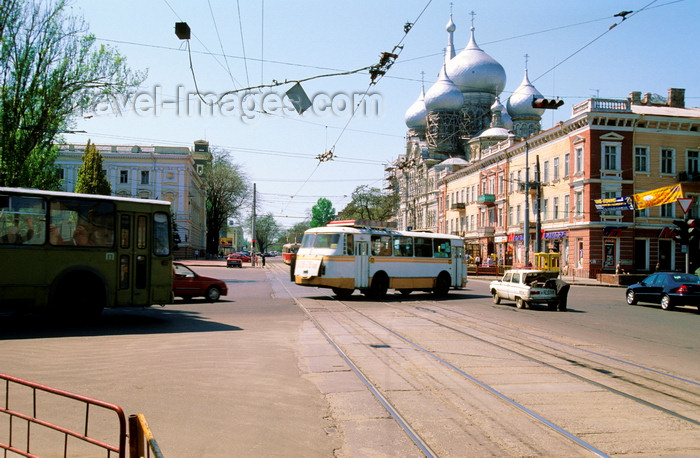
(372, 256)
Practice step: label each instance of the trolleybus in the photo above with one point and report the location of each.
(80, 253)
(371, 256)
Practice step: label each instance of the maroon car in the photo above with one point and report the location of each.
(188, 284)
(242, 256)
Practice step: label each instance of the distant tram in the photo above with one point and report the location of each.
(373, 257)
(289, 251)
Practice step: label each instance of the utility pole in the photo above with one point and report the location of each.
(252, 238)
(526, 230)
(538, 203)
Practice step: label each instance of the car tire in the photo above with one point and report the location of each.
(496, 298)
(379, 286)
(666, 302)
(520, 303)
(213, 294)
(442, 285)
(631, 297)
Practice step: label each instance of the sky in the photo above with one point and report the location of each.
(576, 50)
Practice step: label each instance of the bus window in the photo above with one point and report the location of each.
(403, 246)
(442, 248)
(74, 222)
(350, 245)
(424, 247)
(141, 232)
(308, 240)
(161, 243)
(381, 245)
(326, 241)
(22, 220)
(125, 230)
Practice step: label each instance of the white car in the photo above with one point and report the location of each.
(525, 287)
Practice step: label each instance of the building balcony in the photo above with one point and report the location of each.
(688, 176)
(485, 231)
(486, 199)
(458, 206)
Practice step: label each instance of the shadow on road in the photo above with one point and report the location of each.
(122, 321)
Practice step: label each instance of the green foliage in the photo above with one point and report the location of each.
(91, 175)
(228, 190)
(370, 203)
(322, 213)
(266, 232)
(49, 71)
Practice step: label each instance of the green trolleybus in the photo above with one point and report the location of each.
(79, 253)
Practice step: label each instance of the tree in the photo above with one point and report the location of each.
(322, 212)
(294, 234)
(49, 71)
(228, 189)
(266, 231)
(91, 175)
(370, 203)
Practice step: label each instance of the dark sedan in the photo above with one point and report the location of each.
(188, 284)
(666, 288)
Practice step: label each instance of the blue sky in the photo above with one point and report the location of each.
(573, 54)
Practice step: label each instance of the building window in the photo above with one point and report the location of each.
(578, 201)
(545, 209)
(611, 158)
(610, 195)
(641, 159)
(123, 176)
(693, 162)
(642, 213)
(545, 172)
(510, 215)
(667, 160)
(555, 169)
(500, 185)
(567, 165)
(566, 206)
(511, 184)
(579, 160)
(555, 208)
(517, 215)
(667, 210)
(144, 177)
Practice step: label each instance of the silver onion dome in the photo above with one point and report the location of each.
(444, 95)
(472, 70)
(520, 102)
(416, 113)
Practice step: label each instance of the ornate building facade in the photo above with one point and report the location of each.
(468, 177)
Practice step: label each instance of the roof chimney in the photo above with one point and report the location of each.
(636, 97)
(676, 98)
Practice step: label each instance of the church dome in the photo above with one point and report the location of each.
(520, 102)
(472, 70)
(505, 120)
(444, 95)
(416, 113)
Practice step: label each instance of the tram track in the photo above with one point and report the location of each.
(464, 360)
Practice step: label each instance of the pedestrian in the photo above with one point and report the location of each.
(478, 260)
(263, 259)
(562, 289)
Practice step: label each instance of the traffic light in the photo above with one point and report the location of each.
(547, 104)
(683, 232)
(692, 231)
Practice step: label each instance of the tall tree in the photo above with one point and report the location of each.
(322, 212)
(370, 203)
(49, 70)
(266, 231)
(91, 175)
(228, 189)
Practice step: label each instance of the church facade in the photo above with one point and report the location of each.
(480, 169)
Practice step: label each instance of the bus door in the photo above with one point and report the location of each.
(133, 259)
(460, 271)
(362, 264)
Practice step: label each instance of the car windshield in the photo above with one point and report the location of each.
(182, 271)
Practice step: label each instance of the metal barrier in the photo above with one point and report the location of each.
(37, 420)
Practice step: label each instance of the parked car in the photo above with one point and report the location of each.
(188, 284)
(242, 256)
(525, 287)
(233, 261)
(666, 288)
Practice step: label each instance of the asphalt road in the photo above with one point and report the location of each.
(252, 375)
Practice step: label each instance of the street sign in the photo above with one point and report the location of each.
(685, 203)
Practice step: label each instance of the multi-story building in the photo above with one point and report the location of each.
(463, 175)
(171, 173)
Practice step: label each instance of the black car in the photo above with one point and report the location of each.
(666, 288)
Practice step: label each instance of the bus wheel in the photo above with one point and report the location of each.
(379, 286)
(343, 292)
(442, 285)
(405, 292)
(80, 296)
